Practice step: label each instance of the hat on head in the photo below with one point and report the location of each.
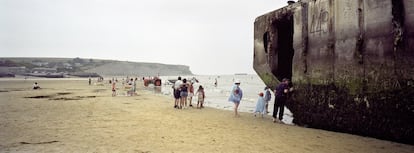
(237, 82)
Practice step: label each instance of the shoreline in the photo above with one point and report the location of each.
(82, 118)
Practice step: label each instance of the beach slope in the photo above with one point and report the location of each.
(72, 116)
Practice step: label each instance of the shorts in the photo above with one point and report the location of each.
(113, 90)
(200, 100)
(176, 94)
(236, 102)
(184, 94)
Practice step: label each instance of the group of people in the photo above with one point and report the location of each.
(281, 92)
(183, 91)
(131, 84)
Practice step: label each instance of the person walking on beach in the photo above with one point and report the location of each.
(113, 89)
(176, 91)
(260, 105)
(201, 95)
(281, 93)
(90, 80)
(267, 97)
(236, 95)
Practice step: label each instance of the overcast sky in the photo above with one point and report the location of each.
(210, 36)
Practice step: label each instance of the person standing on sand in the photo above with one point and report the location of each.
(90, 80)
(191, 93)
(236, 95)
(201, 95)
(131, 92)
(134, 84)
(176, 91)
(260, 105)
(281, 93)
(113, 89)
(267, 97)
(184, 94)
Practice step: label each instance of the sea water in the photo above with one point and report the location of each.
(217, 95)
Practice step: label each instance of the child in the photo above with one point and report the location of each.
(267, 97)
(260, 106)
(201, 96)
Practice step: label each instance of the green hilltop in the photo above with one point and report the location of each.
(24, 66)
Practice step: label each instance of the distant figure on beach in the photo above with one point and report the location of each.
(215, 83)
(267, 97)
(176, 91)
(184, 94)
(134, 84)
(90, 80)
(113, 89)
(191, 93)
(131, 91)
(201, 95)
(260, 105)
(281, 93)
(36, 86)
(236, 95)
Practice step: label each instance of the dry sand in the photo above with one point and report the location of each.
(82, 118)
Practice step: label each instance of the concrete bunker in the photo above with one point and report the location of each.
(350, 63)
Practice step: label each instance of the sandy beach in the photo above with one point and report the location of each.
(72, 116)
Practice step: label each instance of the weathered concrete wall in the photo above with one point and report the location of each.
(351, 62)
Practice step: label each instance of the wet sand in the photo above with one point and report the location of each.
(71, 116)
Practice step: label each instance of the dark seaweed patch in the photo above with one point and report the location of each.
(65, 98)
(99, 90)
(72, 98)
(63, 93)
(39, 97)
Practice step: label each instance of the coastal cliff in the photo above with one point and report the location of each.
(61, 67)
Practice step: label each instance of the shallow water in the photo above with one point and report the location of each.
(216, 96)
